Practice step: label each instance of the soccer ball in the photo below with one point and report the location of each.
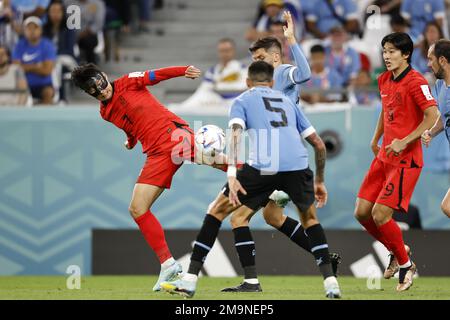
(210, 141)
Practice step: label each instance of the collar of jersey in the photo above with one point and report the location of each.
(402, 75)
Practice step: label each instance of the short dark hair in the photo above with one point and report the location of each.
(266, 44)
(83, 73)
(278, 23)
(260, 71)
(442, 49)
(401, 41)
(229, 40)
(317, 48)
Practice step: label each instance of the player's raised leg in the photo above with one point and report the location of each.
(293, 229)
(206, 237)
(144, 195)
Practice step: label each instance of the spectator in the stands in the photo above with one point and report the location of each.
(64, 40)
(323, 15)
(322, 78)
(419, 60)
(341, 57)
(29, 8)
(419, 12)
(12, 79)
(117, 21)
(10, 24)
(222, 82)
(145, 11)
(390, 7)
(56, 29)
(92, 23)
(366, 94)
(272, 11)
(37, 57)
(276, 30)
(398, 24)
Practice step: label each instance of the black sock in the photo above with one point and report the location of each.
(319, 248)
(294, 231)
(204, 242)
(245, 247)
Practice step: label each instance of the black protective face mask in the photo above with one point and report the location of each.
(95, 85)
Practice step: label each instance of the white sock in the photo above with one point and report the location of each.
(167, 263)
(190, 277)
(406, 265)
(252, 281)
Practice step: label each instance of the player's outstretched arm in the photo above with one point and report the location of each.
(162, 74)
(303, 72)
(320, 153)
(130, 143)
(431, 115)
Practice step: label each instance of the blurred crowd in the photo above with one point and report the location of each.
(41, 41)
(341, 39)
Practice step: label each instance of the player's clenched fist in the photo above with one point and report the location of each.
(426, 138)
(192, 72)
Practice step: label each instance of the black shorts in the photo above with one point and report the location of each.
(299, 185)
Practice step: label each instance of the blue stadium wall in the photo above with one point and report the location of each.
(65, 171)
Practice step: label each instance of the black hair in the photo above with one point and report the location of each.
(266, 44)
(229, 40)
(278, 23)
(442, 49)
(81, 74)
(401, 41)
(317, 48)
(260, 71)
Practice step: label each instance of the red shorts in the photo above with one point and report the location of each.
(160, 168)
(389, 185)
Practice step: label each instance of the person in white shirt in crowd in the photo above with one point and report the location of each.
(222, 82)
(12, 78)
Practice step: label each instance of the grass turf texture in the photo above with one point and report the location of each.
(274, 288)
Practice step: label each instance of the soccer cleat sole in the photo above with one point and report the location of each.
(174, 290)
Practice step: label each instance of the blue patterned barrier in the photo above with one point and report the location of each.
(65, 171)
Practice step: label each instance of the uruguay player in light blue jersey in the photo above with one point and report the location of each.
(439, 62)
(287, 79)
(278, 160)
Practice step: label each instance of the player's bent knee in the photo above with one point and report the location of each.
(445, 207)
(136, 211)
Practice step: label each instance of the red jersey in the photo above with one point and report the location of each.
(136, 111)
(404, 101)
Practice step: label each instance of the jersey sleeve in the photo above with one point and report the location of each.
(141, 79)
(304, 127)
(301, 72)
(438, 9)
(405, 9)
(421, 94)
(351, 10)
(238, 114)
(18, 51)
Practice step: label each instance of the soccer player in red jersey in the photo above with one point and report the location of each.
(408, 110)
(166, 139)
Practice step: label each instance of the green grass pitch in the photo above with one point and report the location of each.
(274, 287)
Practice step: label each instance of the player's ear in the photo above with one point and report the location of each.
(249, 83)
(271, 83)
